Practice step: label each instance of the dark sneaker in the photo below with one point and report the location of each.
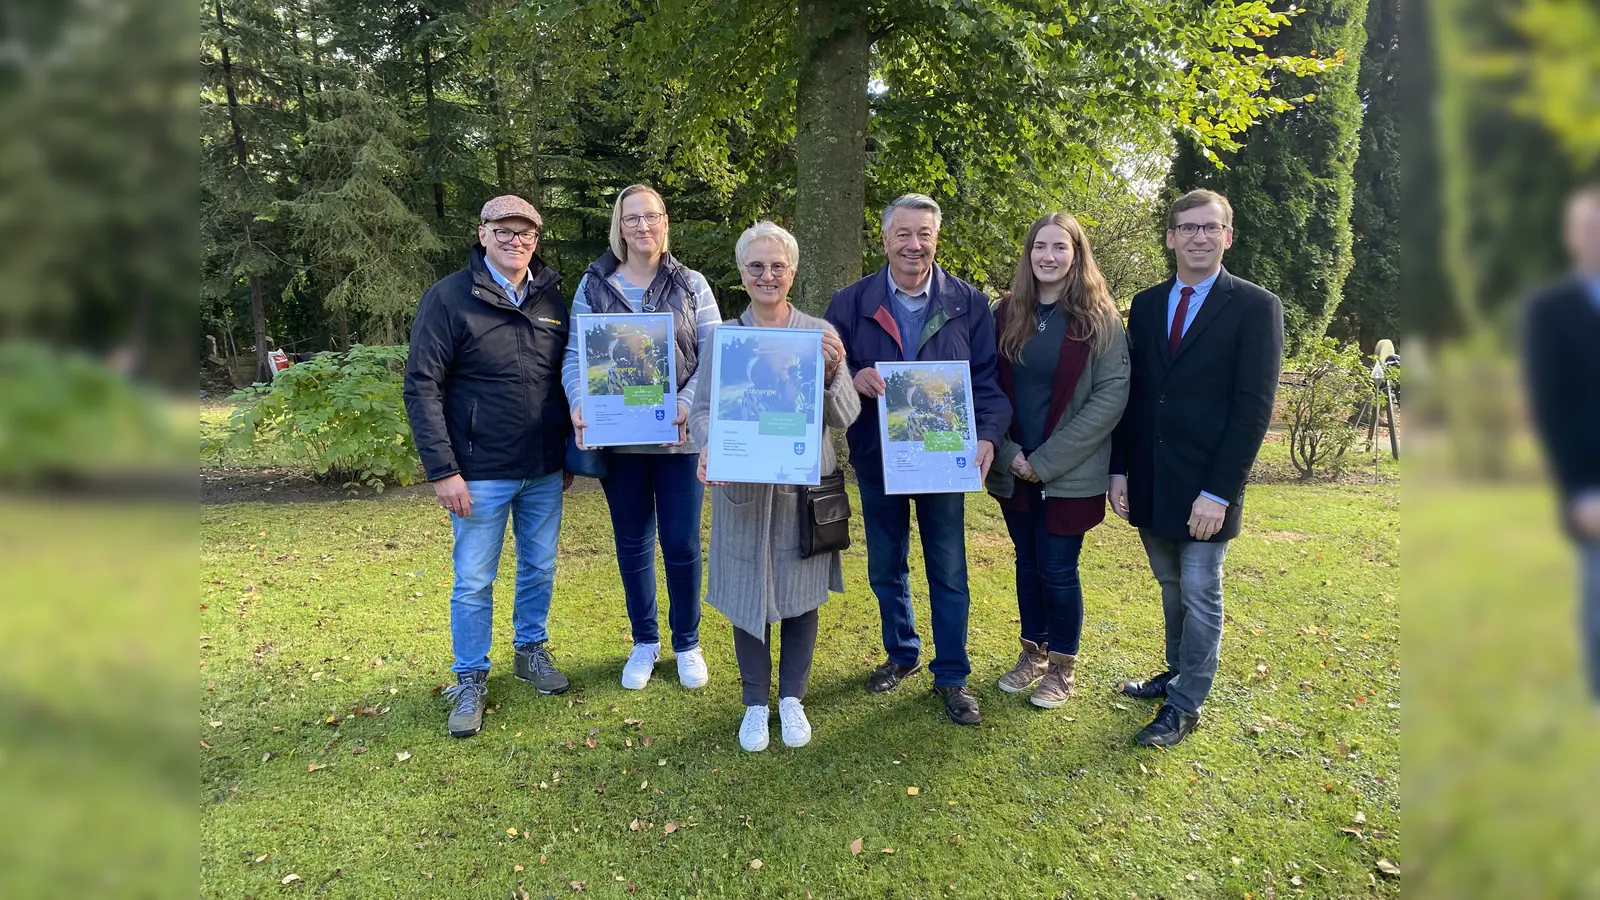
(1169, 727)
(889, 675)
(537, 667)
(467, 699)
(1154, 688)
(959, 704)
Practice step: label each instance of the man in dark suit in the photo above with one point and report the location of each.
(1561, 357)
(1206, 349)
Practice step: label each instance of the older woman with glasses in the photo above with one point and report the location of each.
(757, 576)
(651, 490)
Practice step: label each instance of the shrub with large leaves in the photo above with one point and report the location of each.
(340, 413)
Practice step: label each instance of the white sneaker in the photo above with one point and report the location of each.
(796, 728)
(753, 732)
(640, 666)
(692, 668)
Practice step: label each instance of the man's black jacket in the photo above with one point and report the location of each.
(483, 378)
(1561, 358)
(1195, 420)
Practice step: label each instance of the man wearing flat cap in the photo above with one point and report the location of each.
(483, 392)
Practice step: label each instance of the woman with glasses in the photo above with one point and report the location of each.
(651, 490)
(1064, 367)
(757, 576)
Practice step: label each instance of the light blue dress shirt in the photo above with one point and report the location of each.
(516, 296)
(1592, 282)
(1196, 300)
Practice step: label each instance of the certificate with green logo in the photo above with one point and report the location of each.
(925, 420)
(630, 385)
(766, 406)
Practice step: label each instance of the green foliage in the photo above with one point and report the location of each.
(1290, 181)
(65, 415)
(1370, 310)
(1320, 407)
(342, 414)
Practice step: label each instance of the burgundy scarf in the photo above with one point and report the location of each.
(1070, 366)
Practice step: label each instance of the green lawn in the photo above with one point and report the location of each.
(317, 615)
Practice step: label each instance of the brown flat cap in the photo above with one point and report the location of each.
(511, 206)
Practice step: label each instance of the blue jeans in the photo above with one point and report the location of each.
(887, 520)
(534, 507)
(1190, 575)
(1049, 594)
(648, 492)
(1590, 614)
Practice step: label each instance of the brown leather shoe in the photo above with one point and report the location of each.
(1031, 665)
(1058, 684)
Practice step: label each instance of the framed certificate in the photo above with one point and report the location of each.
(766, 406)
(630, 379)
(925, 420)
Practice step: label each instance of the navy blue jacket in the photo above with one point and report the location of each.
(1561, 331)
(959, 326)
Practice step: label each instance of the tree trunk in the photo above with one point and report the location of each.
(241, 155)
(433, 128)
(830, 148)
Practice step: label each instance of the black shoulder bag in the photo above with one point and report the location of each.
(824, 516)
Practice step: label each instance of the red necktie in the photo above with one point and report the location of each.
(1176, 336)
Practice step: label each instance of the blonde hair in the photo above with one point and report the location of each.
(1085, 299)
(619, 247)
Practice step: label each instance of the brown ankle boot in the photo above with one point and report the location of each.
(1058, 684)
(1031, 664)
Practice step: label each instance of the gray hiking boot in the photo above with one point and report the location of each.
(467, 699)
(1030, 668)
(537, 667)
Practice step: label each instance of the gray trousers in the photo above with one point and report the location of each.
(799, 642)
(1190, 575)
(1589, 611)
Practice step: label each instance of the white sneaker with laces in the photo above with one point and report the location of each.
(753, 732)
(692, 668)
(640, 666)
(796, 727)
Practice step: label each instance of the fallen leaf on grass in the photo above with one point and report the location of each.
(588, 742)
(290, 878)
(661, 762)
(855, 847)
(888, 851)
(1351, 829)
(644, 784)
(1388, 868)
(204, 746)
(315, 766)
(263, 858)
(1360, 818)
(516, 868)
(627, 742)
(645, 741)
(215, 724)
(634, 825)
(913, 791)
(511, 831)
(669, 828)
(632, 721)
(402, 756)
(755, 863)
(577, 886)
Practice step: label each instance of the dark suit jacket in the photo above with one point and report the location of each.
(1561, 353)
(1195, 420)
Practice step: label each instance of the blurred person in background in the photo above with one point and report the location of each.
(483, 393)
(1561, 353)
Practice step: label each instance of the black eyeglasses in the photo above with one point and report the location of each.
(1190, 229)
(757, 270)
(506, 235)
(647, 218)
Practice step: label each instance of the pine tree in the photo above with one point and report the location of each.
(1371, 307)
(1290, 184)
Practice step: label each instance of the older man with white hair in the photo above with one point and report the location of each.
(911, 309)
